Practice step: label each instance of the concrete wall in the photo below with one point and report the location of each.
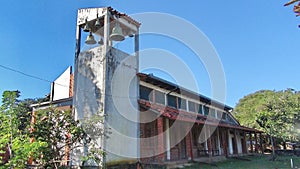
(122, 92)
(88, 98)
(61, 85)
(230, 145)
(109, 85)
(239, 143)
(89, 88)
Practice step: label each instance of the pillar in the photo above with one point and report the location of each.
(160, 139)
(256, 144)
(219, 141)
(261, 143)
(225, 141)
(245, 143)
(251, 143)
(234, 145)
(209, 146)
(189, 146)
(168, 148)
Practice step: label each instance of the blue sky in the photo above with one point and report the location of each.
(257, 41)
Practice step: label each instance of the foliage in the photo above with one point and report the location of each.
(62, 134)
(94, 130)
(13, 134)
(276, 113)
(59, 131)
(247, 107)
(280, 116)
(45, 137)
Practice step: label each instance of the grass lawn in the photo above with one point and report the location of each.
(255, 162)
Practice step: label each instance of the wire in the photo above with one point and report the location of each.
(48, 81)
(25, 74)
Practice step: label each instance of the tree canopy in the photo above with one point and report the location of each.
(48, 139)
(14, 122)
(59, 133)
(275, 112)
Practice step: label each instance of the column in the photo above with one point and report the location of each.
(209, 146)
(168, 139)
(251, 144)
(219, 141)
(225, 141)
(261, 143)
(160, 139)
(245, 143)
(255, 146)
(234, 144)
(189, 145)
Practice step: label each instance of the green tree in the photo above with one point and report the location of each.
(55, 133)
(62, 134)
(276, 113)
(280, 116)
(13, 119)
(59, 131)
(246, 109)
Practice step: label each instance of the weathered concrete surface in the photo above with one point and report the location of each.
(89, 88)
(121, 106)
(109, 85)
(88, 96)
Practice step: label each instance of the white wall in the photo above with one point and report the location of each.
(61, 85)
(110, 85)
(88, 92)
(239, 143)
(230, 143)
(122, 91)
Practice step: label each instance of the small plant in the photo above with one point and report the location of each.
(94, 133)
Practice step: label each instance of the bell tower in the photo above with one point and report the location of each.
(105, 82)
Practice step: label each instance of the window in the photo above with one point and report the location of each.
(206, 110)
(231, 120)
(159, 97)
(146, 93)
(181, 103)
(219, 114)
(224, 116)
(228, 118)
(192, 106)
(199, 108)
(172, 101)
(213, 113)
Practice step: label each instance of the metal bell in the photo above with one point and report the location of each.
(86, 27)
(131, 34)
(97, 23)
(90, 40)
(100, 42)
(116, 33)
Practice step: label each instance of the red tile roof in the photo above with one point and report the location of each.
(175, 114)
